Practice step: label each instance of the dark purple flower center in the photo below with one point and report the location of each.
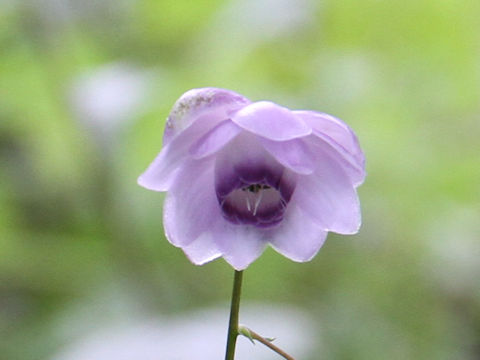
(261, 203)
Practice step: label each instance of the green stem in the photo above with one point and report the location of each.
(234, 309)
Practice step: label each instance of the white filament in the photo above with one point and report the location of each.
(259, 197)
(249, 207)
(254, 198)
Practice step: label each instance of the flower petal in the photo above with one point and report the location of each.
(329, 197)
(340, 137)
(191, 206)
(293, 154)
(193, 115)
(215, 139)
(297, 237)
(202, 250)
(240, 244)
(161, 173)
(244, 160)
(195, 103)
(271, 121)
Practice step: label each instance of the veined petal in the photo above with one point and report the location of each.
(298, 237)
(340, 137)
(240, 245)
(215, 102)
(244, 159)
(215, 139)
(271, 121)
(293, 154)
(329, 197)
(197, 112)
(355, 171)
(191, 206)
(334, 128)
(161, 172)
(202, 250)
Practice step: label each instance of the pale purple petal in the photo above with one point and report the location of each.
(298, 237)
(271, 121)
(329, 197)
(355, 172)
(340, 137)
(161, 173)
(294, 154)
(245, 159)
(202, 250)
(193, 115)
(219, 103)
(240, 245)
(215, 139)
(191, 205)
(334, 128)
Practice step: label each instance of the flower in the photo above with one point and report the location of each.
(242, 175)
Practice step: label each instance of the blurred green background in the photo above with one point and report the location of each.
(85, 87)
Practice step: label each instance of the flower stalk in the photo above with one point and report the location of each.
(234, 310)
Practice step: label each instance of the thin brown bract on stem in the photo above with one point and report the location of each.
(269, 344)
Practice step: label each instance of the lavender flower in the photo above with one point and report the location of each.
(242, 175)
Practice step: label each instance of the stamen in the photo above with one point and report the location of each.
(257, 202)
(255, 188)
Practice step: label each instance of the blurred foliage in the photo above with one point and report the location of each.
(76, 230)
